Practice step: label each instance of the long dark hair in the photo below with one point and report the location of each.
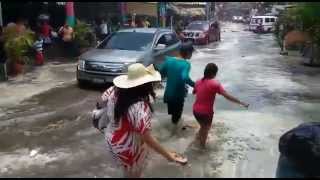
(210, 71)
(128, 97)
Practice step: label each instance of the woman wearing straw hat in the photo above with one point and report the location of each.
(128, 120)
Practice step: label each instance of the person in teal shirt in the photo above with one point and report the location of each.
(176, 70)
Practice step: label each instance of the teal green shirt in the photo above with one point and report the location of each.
(177, 73)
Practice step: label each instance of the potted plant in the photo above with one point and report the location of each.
(17, 48)
(9, 32)
(83, 36)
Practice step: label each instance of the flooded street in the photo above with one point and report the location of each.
(50, 134)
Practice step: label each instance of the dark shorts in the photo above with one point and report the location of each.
(175, 109)
(203, 119)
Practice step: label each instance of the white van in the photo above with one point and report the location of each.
(267, 23)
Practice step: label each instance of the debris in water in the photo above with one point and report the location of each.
(4, 170)
(55, 138)
(27, 133)
(33, 153)
(192, 126)
(78, 118)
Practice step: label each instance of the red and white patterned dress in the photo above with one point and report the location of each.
(124, 139)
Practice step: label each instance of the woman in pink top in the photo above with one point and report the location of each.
(205, 90)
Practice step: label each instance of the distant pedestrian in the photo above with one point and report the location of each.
(21, 25)
(127, 120)
(176, 70)
(10, 24)
(146, 23)
(104, 29)
(38, 47)
(46, 30)
(66, 33)
(260, 28)
(179, 29)
(205, 90)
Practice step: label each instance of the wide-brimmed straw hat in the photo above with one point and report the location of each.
(138, 74)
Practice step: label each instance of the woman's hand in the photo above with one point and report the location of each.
(154, 144)
(177, 158)
(233, 99)
(245, 105)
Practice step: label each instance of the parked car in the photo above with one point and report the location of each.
(262, 24)
(202, 32)
(122, 48)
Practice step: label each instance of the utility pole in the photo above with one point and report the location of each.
(1, 20)
(212, 9)
(171, 22)
(70, 14)
(162, 14)
(123, 10)
(208, 10)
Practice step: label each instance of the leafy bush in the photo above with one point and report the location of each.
(9, 32)
(82, 33)
(303, 17)
(308, 13)
(17, 47)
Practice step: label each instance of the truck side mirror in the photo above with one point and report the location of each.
(160, 47)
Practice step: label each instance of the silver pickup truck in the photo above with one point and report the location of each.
(122, 48)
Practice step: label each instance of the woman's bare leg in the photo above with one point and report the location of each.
(202, 136)
(133, 174)
(198, 135)
(204, 132)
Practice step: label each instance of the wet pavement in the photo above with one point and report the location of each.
(50, 133)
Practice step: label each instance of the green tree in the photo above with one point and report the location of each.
(308, 13)
(305, 16)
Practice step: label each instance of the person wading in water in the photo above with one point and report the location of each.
(205, 90)
(176, 70)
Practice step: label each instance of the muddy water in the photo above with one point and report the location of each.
(53, 137)
(244, 143)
